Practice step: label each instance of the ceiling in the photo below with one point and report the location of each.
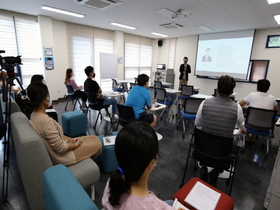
(218, 15)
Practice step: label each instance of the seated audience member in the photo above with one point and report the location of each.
(76, 88)
(260, 99)
(219, 116)
(4, 79)
(62, 149)
(91, 86)
(136, 150)
(37, 78)
(139, 98)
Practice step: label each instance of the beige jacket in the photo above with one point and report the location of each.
(52, 135)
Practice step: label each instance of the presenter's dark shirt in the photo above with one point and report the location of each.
(91, 86)
(182, 67)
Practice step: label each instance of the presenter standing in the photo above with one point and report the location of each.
(185, 69)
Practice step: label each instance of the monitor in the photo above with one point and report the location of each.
(161, 66)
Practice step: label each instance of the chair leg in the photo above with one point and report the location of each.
(92, 189)
(186, 165)
(184, 128)
(267, 147)
(96, 120)
(107, 111)
(66, 103)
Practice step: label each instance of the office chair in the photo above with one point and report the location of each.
(187, 91)
(158, 84)
(276, 118)
(189, 111)
(163, 98)
(73, 96)
(116, 86)
(260, 122)
(213, 151)
(132, 85)
(126, 115)
(98, 106)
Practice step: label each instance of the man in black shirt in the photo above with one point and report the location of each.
(91, 86)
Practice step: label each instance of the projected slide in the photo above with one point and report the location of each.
(224, 53)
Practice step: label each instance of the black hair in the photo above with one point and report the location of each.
(186, 58)
(36, 78)
(142, 79)
(136, 146)
(36, 92)
(263, 85)
(226, 84)
(88, 69)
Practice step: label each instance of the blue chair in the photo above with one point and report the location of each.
(163, 98)
(260, 122)
(117, 87)
(189, 111)
(62, 191)
(187, 91)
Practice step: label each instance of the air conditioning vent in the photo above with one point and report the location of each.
(171, 26)
(98, 4)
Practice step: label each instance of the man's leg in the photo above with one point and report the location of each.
(153, 124)
(113, 102)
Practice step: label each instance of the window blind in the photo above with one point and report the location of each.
(171, 55)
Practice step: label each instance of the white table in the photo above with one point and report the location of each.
(155, 107)
(124, 83)
(201, 96)
(278, 122)
(173, 91)
(113, 94)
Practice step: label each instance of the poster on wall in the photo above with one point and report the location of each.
(48, 51)
(49, 63)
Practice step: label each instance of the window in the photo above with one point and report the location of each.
(16, 39)
(171, 56)
(273, 41)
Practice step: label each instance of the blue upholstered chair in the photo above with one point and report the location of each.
(260, 122)
(71, 96)
(189, 111)
(62, 191)
(163, 98)
(116, 86)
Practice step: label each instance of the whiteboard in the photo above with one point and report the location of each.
(108, 65)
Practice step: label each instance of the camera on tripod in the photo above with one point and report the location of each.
(9, 62)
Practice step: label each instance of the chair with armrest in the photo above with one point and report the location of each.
(189, 111)
(260, 122)
(72, 96)
(97, 105)
(116, 86)
(187, 91)
(126, 115)
(213, 151)
(163, 98)
(158, 84)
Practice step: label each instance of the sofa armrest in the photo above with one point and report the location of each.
(62, 191)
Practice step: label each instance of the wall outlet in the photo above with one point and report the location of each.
(58, 91)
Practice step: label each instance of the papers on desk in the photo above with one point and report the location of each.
(109, 140)
(176, 205)
(202, 197)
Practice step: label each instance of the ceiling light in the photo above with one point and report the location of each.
(62, 11)
(165, 12)
(277, 18)
(205, 28)
(157, 34)
(273, 1)
(124, 26)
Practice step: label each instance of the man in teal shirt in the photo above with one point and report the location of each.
(140, 98)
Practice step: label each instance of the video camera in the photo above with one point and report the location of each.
(9, 62)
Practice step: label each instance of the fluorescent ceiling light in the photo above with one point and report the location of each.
(62, 11)
(277, 18)
(273, 1)
(157, 34)
(123, 26)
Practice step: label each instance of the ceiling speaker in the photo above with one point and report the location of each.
(160, 43)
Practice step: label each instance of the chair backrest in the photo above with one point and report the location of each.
(91, 98)
(192, 104)
(158, 84)
(135, 80)
(260, 119)
(160, 94)
(114, 83)
(187, 90)
(211, 149)
(132, 85)
(126, 114)
(278, 103)
(70, 89)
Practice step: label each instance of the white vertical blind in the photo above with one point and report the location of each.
(28, 43)
(80, 50)
(138, 60)
(171, 56)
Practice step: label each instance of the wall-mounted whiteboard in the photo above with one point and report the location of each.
(108, 65)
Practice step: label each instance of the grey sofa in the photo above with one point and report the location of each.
(33, 159)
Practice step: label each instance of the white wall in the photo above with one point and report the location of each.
(187, 46)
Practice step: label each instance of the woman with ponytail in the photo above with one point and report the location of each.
(136, 151)
(62, 149)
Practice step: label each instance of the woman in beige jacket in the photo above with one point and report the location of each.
(62, 149)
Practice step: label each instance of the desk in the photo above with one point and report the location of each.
(278, 122)
(155, 107)
(113, 94)
(173, 91)
(201, 96)
(124, 83)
